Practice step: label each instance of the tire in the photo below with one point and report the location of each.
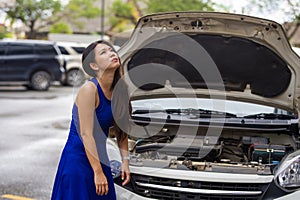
(75, 77)
(40, 80)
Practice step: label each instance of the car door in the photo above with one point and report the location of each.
(19, 60)
(2, 61)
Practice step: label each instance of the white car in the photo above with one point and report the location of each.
(72, 53)
(215, 105)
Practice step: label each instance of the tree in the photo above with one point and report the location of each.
(29, 12)
(76, 10)
(39, 15)
(3, 31)
(154, 6)
(126, 13)
(60, 27)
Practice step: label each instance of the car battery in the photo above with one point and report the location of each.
(267, 154)
(248, 143)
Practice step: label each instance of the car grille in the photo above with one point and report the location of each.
(172, 189)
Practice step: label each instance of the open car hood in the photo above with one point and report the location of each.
(208, 54)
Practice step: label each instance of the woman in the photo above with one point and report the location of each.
(84, 171)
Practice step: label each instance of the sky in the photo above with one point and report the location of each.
(236, 6)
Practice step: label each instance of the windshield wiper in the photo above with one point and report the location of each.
(270, 116)
(201, 113)
(168, 111)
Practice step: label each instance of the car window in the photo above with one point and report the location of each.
(18, 49)
(63, 50)
(45, 50)
(2, 49)
(78, 49)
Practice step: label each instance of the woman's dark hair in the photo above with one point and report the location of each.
(88, 56)
(121, 109)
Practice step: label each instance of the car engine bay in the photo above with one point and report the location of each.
(234, 151)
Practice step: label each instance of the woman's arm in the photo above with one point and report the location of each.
(123, 145)
(86, 102)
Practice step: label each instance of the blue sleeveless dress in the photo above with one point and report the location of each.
(75, 177)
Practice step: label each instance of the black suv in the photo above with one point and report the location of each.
(32, 63)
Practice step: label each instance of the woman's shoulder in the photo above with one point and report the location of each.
(87, 93)
(87, 88)
(89, 85)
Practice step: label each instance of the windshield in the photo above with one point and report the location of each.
(240, 109)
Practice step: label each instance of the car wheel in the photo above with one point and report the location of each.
(40, 81)
(75, 77)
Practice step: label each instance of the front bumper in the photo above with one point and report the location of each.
(124, 194)
(177, 184)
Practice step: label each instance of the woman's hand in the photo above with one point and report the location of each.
(101, 183)
(125, 172)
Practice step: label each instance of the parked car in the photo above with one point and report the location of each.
(72, 53)
(32, 63)
(215, 106)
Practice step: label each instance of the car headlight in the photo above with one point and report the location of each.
(288, 173)
(114, 155)
(115, 168)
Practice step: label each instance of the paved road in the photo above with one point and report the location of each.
(33, 130)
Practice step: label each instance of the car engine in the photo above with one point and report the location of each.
(234, 151)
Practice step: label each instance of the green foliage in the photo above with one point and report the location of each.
(60, 27)
(2, 32)
(154, 6)
(31, 11)
(122, 9)
(38, 14)
(77, 10)
(124, 15)
(82, 8)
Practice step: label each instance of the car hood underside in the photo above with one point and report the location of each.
(240, 57)
(267, 75)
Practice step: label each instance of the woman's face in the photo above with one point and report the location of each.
(106, 58)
